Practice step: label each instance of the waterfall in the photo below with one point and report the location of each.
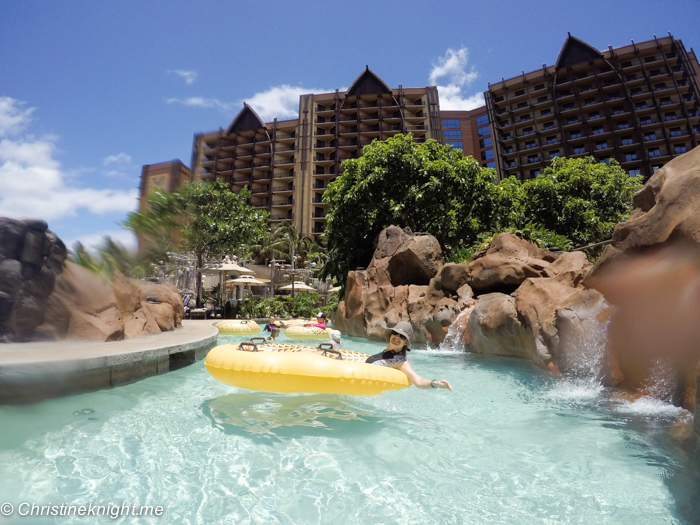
(453, 339)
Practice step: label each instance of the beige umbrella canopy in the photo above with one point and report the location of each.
(334, 289)
(247, 280)
(298, 285)
(227, 267)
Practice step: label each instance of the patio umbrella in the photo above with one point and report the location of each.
(298, 285)
(248, 280)
(227, 268)
(334, 289)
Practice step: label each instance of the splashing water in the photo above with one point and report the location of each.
(453, 339)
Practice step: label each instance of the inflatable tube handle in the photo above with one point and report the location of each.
(325, 346)
(258, 340)
(328, 351)
(248, 347)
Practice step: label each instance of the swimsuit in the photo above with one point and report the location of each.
(387, 358)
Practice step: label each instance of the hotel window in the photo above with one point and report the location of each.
(483, 119)
(630, 157)
(623, 125)
(539, 86)
(519, 92)
(646, 121)
(696, 129)
(510, 164)
(453, 134)
(528, 131)
(594, 115)
(649, 59)
(565, 93)
(522, 105)
(576, 134)
(450, 123)
(499, 99)
(614, 96)
(483, 131)
(545, 112)
(676, 132)
(525, 118)
(548, 125)
(533, 158)
(455, 144)
(654, 169)
(654, 72)
(490, 165)
(572, 120)
(640, 105)
(552, 140)
(693, 113)
(507, 136)
(635, 172)
(598, 131)
(568, 107)
(617, 110)
(503, 123)
(626, 64)
(534, 173)
(601, 145)
(650, 136)
(579, 150)
(581, 75)
(542, 99)
(683, 82)
(507, 150)
(531, 144)
(486, 143)
(590, 101)
(671, 116)
(677, 69)
(605, 160)
(585, 88)
(488, 154)
(636, 91)
(555, 153)
(626, 141)
(659, 87)
(688, 97)
(680, 148)
(666, 101)
(631, 77)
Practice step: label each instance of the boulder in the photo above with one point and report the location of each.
(666, 211)
(508, 261)
(31, 257)
(495, 328)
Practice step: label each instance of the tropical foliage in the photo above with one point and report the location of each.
(434, 189)
(110, 258)
(207, 219)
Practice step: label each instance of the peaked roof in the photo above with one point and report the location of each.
(246, 120)
(368, 83)
(575, 51)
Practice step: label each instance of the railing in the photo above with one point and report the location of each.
(284, 217)
(283, 188)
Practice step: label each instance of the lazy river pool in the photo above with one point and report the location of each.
(509, 445)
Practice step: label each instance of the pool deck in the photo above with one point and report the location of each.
(34, 371)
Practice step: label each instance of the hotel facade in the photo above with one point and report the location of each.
(637, 104)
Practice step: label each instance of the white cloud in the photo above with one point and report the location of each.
(13, 118)
(202, 102)
(121, 158)
(452, 67)
(32, 183)
(279, 102)
(188, 76)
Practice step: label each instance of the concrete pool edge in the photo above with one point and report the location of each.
(30, 372)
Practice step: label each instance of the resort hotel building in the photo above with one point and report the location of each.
(637, 104)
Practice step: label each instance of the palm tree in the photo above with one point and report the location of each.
(290, 244)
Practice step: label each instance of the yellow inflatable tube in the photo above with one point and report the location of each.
(307, 332)
(300, 372)
(238, 327)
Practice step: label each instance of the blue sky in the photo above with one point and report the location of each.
(90, 91)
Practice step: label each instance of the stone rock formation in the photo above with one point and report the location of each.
(539, 320)
(31, 257)
(650, 274)
(45, 297)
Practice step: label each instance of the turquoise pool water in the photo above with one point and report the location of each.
(511, 445)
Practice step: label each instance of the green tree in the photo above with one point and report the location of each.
(207, 219)
(581, 199)
(287, 242)
(110, 257)
(428, 187)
